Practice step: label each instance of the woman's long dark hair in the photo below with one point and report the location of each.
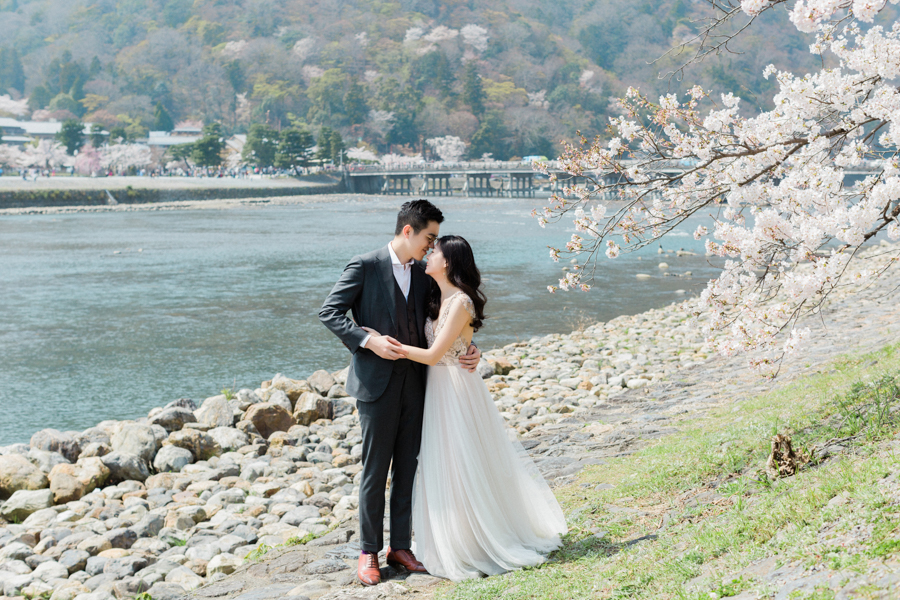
(462, 272)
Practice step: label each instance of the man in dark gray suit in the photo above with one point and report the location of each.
(387, 290)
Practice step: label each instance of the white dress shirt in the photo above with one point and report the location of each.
(402, 275)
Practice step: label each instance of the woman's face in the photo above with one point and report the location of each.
(437, 264)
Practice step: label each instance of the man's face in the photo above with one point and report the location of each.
(420, 243)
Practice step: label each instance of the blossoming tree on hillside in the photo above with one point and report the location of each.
(784, 218)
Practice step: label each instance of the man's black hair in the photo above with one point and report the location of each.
(417, 213)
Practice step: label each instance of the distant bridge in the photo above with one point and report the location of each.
(509, 179)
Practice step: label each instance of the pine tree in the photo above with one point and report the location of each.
(473, 90)
(12, 75)
(71, 135)
(261, 145)
(355, 106)
(207, 151)
(323, 144)
(162, 121)
(294, 149)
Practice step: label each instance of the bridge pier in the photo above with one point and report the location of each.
(521, 185)
(479, 184)
(438, 185)
(398, 184)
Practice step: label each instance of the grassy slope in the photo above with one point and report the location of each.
(704, 500)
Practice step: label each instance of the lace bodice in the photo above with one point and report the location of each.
(460, 345)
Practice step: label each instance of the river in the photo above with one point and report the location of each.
(106, 315)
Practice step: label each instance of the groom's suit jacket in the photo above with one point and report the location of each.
(368, 290)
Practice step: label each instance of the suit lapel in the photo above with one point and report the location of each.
(386, 273)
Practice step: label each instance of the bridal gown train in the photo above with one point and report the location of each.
(480, 506)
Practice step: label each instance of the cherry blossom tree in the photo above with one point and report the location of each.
(10, 156)
(450, 148)
(16, 108)
(46, 154)
(784, 220)
(121, 157)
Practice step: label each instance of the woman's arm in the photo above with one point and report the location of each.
(456, 322)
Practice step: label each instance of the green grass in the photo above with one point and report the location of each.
(708, 484)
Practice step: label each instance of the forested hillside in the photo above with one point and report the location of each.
(511, 77)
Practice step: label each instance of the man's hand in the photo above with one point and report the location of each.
(385, 346)
(470, 361)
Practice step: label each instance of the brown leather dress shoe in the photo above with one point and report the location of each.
(405, 559)
(368, 571)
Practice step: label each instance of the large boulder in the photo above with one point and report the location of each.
(311, 406)
(172, 459)
(182, 403)
(25, 502)
(201, 444)
(45, 460)
(139, 440)
(321, 381)
(229, 438)
(92, 435)
(71, 482)
(125, 467)
(173, 419)
(269, 418)
(54, 440)
(279, 398)
(216, 411)
(293, 388)
(18, 473)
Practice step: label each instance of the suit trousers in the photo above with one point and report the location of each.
(391, 429)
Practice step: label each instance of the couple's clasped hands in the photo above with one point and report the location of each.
(388, 348)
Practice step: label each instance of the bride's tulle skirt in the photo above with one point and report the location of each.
(480, 506)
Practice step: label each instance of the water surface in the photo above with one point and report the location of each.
(106, 315)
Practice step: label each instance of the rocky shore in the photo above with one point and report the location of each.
(173, 502)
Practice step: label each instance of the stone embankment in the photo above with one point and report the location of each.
(195, 499)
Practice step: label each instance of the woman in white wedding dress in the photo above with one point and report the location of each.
(480, 506)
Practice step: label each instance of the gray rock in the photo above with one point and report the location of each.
(311, 406)
(94, 449)
(216, 412)
(16, 551)
(49, 570)
(321, 381)
(325, 565)
(53, 440)
(173, 419)
(125, 567)
(92, 435)
(95, 565)
(45, 460)
(165, 591)
(229, 438)
(25, 502)
(298, 515)
(74, 560)
(279, 398)
(125, 467)
(138, 440)
(121, 538)
(149, 525)
(18, 473)
(485, 369)
(182, 403)
(172, 459)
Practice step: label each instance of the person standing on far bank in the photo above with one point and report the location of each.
(387, 290)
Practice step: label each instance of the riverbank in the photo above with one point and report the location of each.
(252, 494)
(82, 194)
